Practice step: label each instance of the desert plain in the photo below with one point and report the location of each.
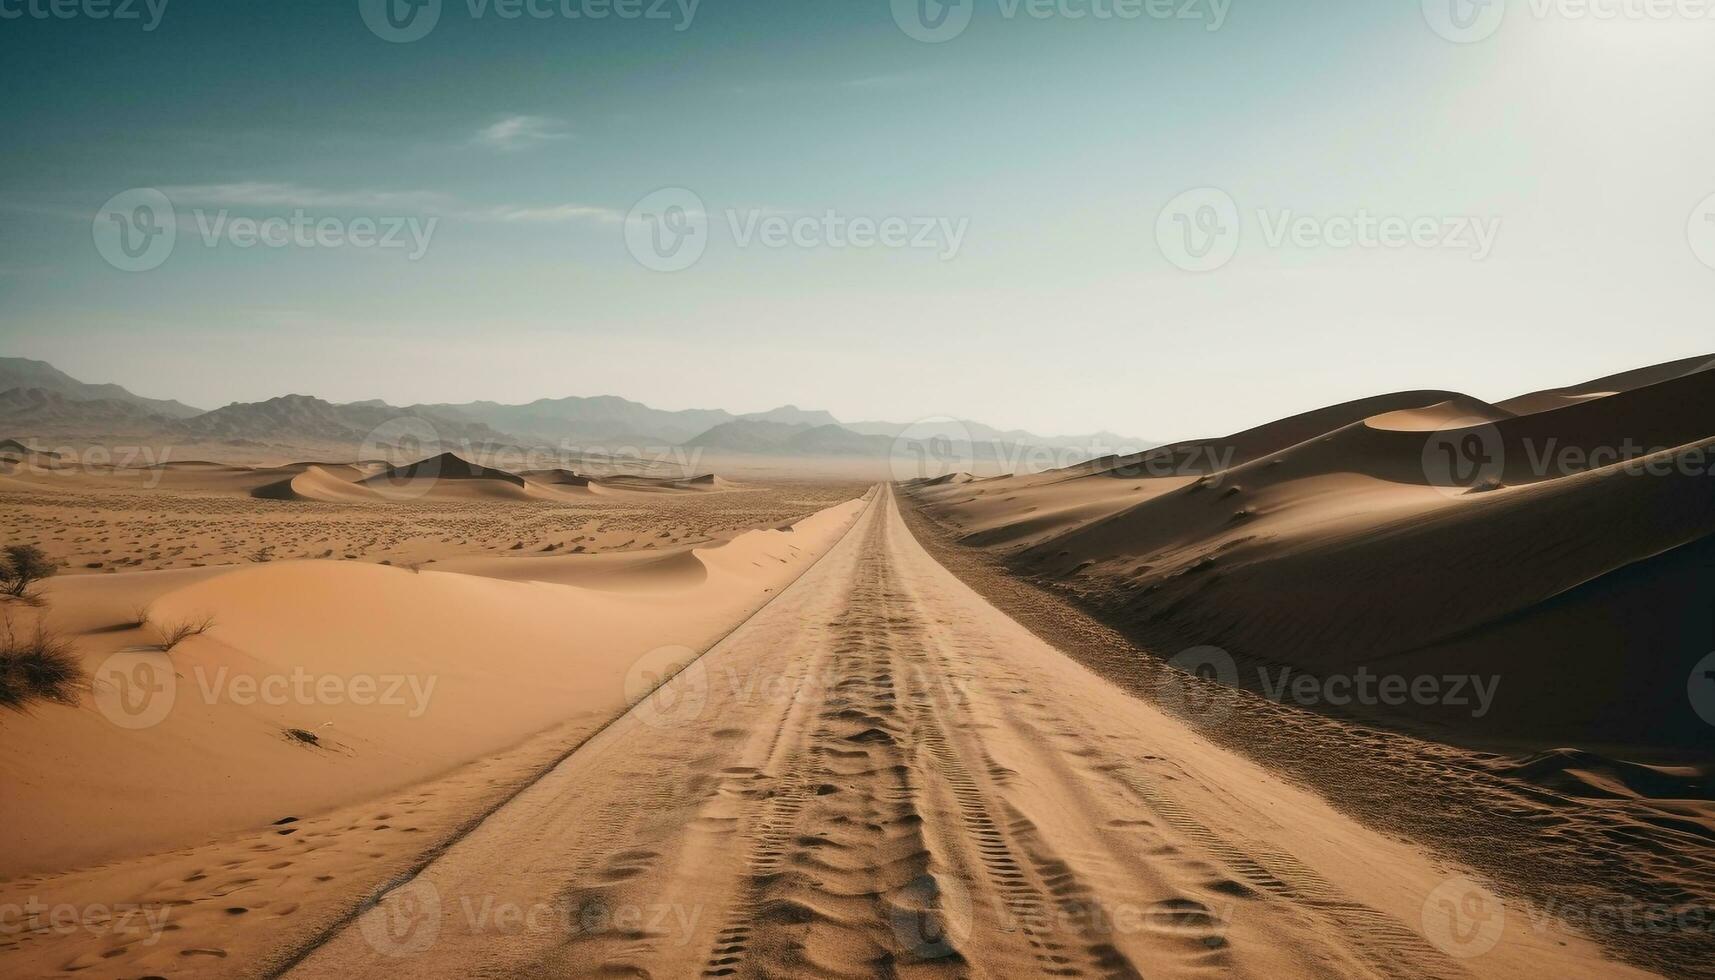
(1407, 686)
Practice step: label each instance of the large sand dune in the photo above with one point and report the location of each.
(1335, 540)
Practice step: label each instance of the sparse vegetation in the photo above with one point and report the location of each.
(37, 666)
(262, 554)
(172, 634)
(22, 566)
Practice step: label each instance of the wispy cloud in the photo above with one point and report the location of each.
(556, 213)
(519, 132)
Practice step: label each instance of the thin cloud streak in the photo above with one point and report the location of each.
(518, 132)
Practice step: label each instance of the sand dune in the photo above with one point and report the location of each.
(102, 520)
(1331, 541)
(1453, 412)
(477, 630)
(563, 479)
(704, 482)
(1539, 401)
(447, 682)
(446, 476)
(328, 484)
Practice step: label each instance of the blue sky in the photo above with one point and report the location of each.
(1054, 143)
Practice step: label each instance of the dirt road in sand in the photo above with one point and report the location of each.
(879, 774)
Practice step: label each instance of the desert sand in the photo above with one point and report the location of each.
(447, 718)
(881, 774)
(1336, 538)
(104, 519)
(186, 777)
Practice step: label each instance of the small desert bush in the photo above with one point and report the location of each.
(172, 634)
(22, 566)
(36, 666)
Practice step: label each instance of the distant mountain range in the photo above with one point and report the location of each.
(39, 402)
(21, 372)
